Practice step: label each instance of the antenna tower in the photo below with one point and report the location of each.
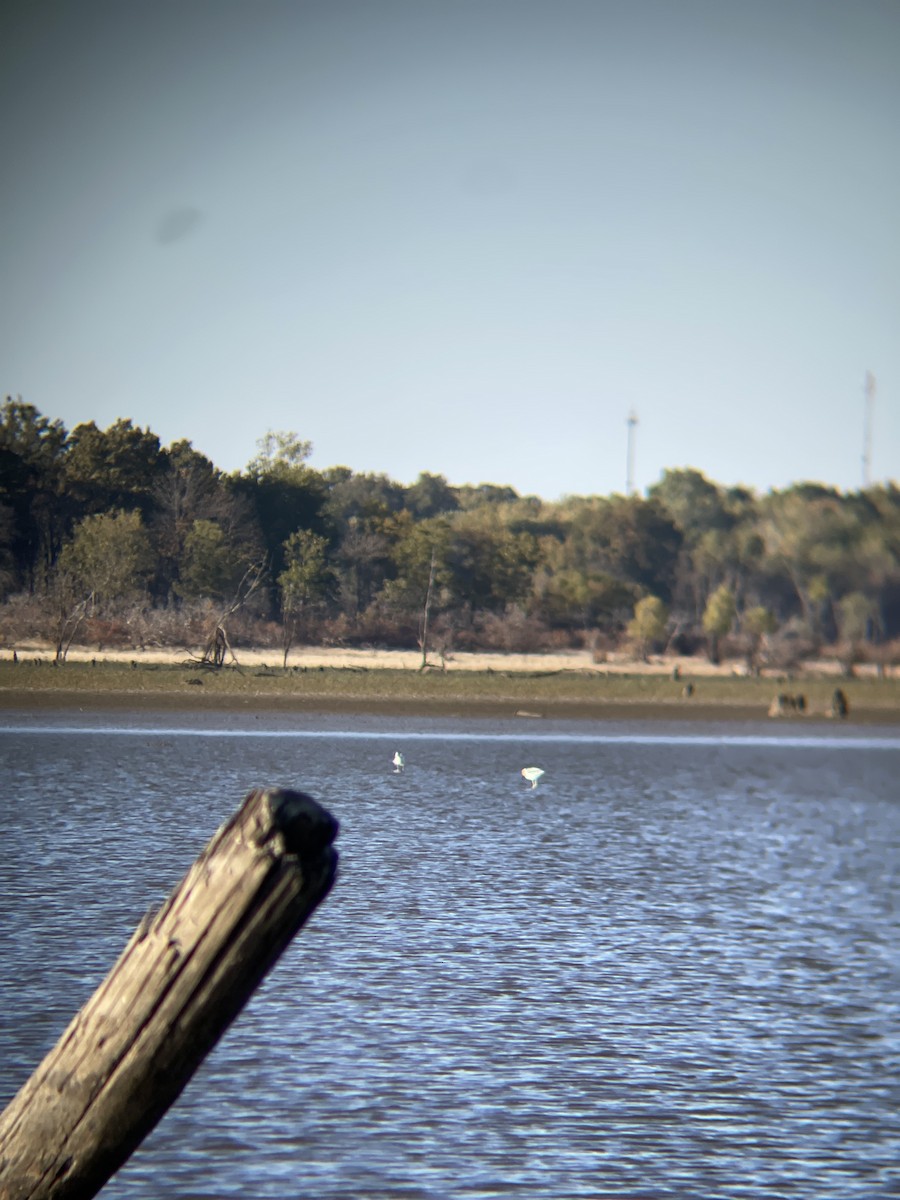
(629, 453)
(868, 415)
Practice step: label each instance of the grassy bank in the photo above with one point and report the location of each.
(579, 694)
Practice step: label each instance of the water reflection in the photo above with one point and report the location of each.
(669, 970)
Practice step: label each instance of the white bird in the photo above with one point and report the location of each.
(398, 762)
(533, 774)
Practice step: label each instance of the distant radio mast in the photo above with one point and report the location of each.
(629, 453)
(868, 417)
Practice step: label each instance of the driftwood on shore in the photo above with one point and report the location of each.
(183, 977)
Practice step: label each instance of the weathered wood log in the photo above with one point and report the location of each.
(178, 984)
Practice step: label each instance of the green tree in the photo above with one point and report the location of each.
(631, 540)
(113, 468)
(579, 600)
(813, 537)
(718, 618)
(431, 496)
(363, 561)
(758, 622)
(303, 582)
(35, 511)
(8, 573)
(488, 567)
(420, 586)
(471, 496)
(877, 555)
(191, 489)
(284, 494)
(104, 565)
(281, 454)
(648, 624)
(691, 500)
(360, 497)
(721, 543)
(210, 565)
(108, 557)
(28, 435)
(365, 516)
(417, 544)
(856, 616)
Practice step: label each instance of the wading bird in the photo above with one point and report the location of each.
(532, 774)
(398, 762)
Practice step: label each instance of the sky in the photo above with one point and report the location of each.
(465, 237)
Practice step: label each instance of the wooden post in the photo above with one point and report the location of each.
(178, 984)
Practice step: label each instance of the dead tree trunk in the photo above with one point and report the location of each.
(178, 984)
(426, 616)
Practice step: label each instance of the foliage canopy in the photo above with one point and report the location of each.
(358, 557)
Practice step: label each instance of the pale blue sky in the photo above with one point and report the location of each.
(462, 236)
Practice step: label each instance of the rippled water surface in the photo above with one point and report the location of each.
(670, 970)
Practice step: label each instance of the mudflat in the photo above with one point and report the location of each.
(569, 685)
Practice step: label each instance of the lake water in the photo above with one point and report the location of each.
(671, 970)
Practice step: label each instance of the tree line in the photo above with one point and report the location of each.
(107, 536)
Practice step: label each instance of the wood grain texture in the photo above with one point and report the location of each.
(183, 977)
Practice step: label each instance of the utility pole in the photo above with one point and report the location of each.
(868, 417)
(629, 453)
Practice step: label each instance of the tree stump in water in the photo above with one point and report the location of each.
(178, 984)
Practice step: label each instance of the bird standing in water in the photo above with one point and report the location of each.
(398, 762)
(532, 774)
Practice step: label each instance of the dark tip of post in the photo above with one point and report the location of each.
(306, 826)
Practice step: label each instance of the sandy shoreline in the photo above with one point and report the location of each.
(581, 661)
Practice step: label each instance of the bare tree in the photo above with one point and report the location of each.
(218, 647)
(72, 609)
(426, 611)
